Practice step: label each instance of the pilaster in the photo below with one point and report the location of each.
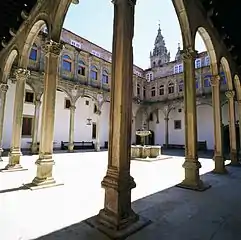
(217, 117)
(45, 161)
(3, 89)
(191, 165)
(97, 143)
(117, 219)
(71, 128)
(34, 145)
(15, 151)
(232, 128)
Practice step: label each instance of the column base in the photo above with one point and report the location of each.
(37, 184)
(219, 165)
(192, 179)
(126, 227)
(13, 168)
(71, 148)
(234, 159)
(34, 149)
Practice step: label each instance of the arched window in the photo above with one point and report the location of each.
(33, 53)
(170, 88)
(144, 92)
(93, 72)
(161, 90)
(138, 90)
(181, 86)
(153, 91)
(206, 81)
(105, 77)
(67, 62)
(81, 68)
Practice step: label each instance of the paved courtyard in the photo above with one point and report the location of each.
(57, 213)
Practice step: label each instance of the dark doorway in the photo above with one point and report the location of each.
(226, 139)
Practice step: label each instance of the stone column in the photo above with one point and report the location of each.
(191, 165)
(15, 150)
(97, 143)
(117, 219)
(34, 145)
(217, 117)
(232, 128)
(45, 161)
(239, 119)
(3, 88)
(71, 128)
(166, 131)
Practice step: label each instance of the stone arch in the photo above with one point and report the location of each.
(32, 35)
(226, 68)
(59, 17)
(237, 87)
(63, 89)
(210, 49)
(184, 22)
(8, 64)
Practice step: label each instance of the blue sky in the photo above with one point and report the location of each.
(93, 19)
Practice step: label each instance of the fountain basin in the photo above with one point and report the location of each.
(138, 151)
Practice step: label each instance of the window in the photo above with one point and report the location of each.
(181, 86)
(81, 68)
(27, 126)
(87, 102)
(144, 92)
(93, 73)
(179, 110)
(223, 80)
(138, 90)
(105, 78)
(151, 76)
(198, 63)
(170, 88)
(33, 53)
(151, 117)
(93, 130)
(153, 92)
(207, 81)
(177, 124)
(154, 64)
(180, 68)
(29, 97)
(176, 69)
(95, 109)
(207, 60)
(66, 63)
(67, 103)
(161, 90)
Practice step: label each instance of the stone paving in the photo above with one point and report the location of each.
(58, 213)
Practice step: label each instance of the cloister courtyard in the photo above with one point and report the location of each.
(175, 213)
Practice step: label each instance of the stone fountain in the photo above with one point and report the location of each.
(144, 151)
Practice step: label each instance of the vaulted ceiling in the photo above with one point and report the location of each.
(12, 14)
(225, 16)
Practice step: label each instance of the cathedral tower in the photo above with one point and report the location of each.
(160, 55)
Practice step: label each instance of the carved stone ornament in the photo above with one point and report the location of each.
(230, 94)
(72, 108)
(215, 80)
(53, 47)
(21, 74)
(4, 88)
(188, 54)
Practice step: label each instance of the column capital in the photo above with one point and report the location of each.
(230, 94)
(21, 74)
(53, 47)
(4, 88)
(131, 2)
(166, 118)
(98, 112)
(72, 108)
(215, 80)
(188, 53)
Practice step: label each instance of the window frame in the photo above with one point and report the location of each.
(26, 92)
(31, 130)
(66, 59)
(93, 70)
(34, 49)
(175, 124)
(171, 88)
(65, 101)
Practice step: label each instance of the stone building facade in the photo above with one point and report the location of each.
(83, 95)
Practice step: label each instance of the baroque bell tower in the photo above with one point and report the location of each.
(160, 55)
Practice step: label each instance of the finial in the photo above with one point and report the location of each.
(179, 46)
(159, 24)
